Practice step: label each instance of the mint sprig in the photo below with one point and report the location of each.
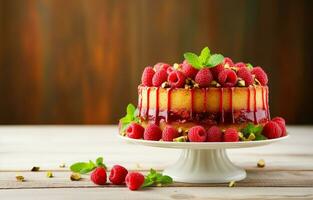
(205, 59)
(131, 116)
(85, 167)
(154, 178)
(255, 129)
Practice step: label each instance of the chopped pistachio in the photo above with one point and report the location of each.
(235, 69)
(196, 85)
(19, 178)
(241, 83)
(261, 163)
(49, 174)
(213, 83)
(218, 85)
(75, 177)
(257, 81)
(165, 85)
(62, 165)
(187, 87)
(35, 169)
(232, 184)
(185, 132)
(251, 137)
(176, 66)
(180, 139)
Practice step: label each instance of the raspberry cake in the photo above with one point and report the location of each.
(206, 98)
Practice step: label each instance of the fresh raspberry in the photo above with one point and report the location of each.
(188, 70)
(135, 131)
(240, 65)
(204, 77)
(272, 130)
(176, 79)
(214, 134)
(260, 75)
(152, 132)
(169, 70)
(147, 75)
(216, 70)
(246, 75)
(134, 180)
(231, 135)
(169, 133)
(159, 78)
(161, 66)
(118, 174)
(197, 134)
(99, 176)
(227, 78)
(282, 124)
(228, 62)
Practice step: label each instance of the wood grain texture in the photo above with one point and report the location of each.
(60, 59)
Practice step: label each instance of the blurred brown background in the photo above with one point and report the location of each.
(80, 61)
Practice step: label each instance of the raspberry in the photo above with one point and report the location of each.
(134, 180)
(188, 70)
(228, 62)
(240, 65)
(161, 66)
(245, 74)
(147, 75)
(176, 79)
(135, 131)
(272, 130)
(197, 134)
(152, 132)
(159, 77)
(214, 134)
(282, 124)
(118, 174)
(260, 75)
(169, 133)
(227, 78)
(169, 70)
(216, 70)
(99, 176)
(231, 135)
(204, 77)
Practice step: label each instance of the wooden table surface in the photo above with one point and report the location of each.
(288, 172)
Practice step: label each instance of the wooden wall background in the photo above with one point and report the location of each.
(79, 61)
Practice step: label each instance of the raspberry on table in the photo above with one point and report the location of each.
(246, 75)
(118, 174)
(147, 75)
(99, 176)
(134, 180)
(227, 78)
(204, 77)
(214, 134)
(260, 75)
(135, 131)
(152, 132)
(159, 77)
(197, 134)
(176, 79)
(272, 130)
(188, 70)
(231, 135)
(169, 133)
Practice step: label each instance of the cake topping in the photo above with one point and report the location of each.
(176, 79)
(227, 78)
(204, 77)
(147, 76)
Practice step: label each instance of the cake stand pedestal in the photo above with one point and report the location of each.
(204, 162)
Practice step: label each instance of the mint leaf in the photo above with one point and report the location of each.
(193, 59)
(130, 109)
(147, 183)
(87, 169)
(131, 116)
(255, 129)
(156, 178)
(166, 180)
(260, 137)
(249, 66)
(204, 55)
(214, 60)
(77, 167)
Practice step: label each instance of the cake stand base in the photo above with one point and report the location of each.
(205, 166)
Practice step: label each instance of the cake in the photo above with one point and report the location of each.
(206, 98)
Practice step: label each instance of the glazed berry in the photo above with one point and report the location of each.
(228, 62)
(204, 77)
(152, 132)
(161, 66)
(176, 79)
(99, 176)
(246, 75)
(135, 131)
(118, 174)
(214, 134)
(260, 75)
(159, 77)
(216, 70)
(169, 133)
(147, 75)
(240, 65)
(282, 124)
(272, 130)
(231, 135)
(197, 134)
(188, 70)
(227, 78)
(134, 180)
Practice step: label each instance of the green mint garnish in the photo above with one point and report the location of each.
(250, 66)
(205, 59)
(153, 178)
(255, 129)
(131, 116)
(85, 167)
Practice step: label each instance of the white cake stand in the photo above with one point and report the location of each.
(204, 162)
